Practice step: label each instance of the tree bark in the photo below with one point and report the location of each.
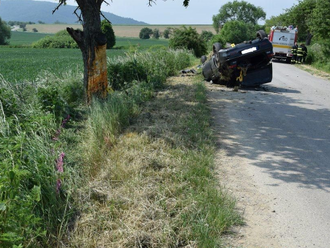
(92, 43)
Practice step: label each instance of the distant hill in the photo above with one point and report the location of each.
(34, 11)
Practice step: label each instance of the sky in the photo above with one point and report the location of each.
(173, 12)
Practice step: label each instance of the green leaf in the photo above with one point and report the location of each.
(36, 193)
(2, 206)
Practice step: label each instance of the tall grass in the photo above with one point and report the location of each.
(137, 172)
(152, 66)
(318, 55)
(31, 211)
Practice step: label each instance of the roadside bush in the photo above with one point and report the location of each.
(217, 38)
(235, 32)
(318, 54)
(121, 74)
(153, 67)
(188, 38)
(61, 39)
(207, 35)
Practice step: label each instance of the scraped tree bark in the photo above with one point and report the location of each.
(92, 43)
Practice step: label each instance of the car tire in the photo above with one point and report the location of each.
(261, 34)
(207, 71)
(216, 47)
(203, 59)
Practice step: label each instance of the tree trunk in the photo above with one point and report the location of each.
(309, 38)
(92, 43)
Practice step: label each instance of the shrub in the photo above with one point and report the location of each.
(109, 33)
(61, 39)
(188, 38)
(235, 32)
(206, 35)
(123, 73)
(217, 38)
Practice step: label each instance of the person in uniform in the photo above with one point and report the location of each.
(294, 51)
(300, 54)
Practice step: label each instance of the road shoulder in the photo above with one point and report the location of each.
(235, 177)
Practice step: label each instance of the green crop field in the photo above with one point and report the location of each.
(18, 64)
(25, 38)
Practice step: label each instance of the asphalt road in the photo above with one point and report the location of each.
(279, 136)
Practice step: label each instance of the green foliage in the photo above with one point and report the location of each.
(109, 33)
(5, 33)
(235, 32)
(153, 67)
(145, 33)
(206, 35)
(156, 33)
(238, 11)
(121, 74)
(217, 38)
(319, 53)
(188, 38)
(61, 39)
(167, 33)
(33, 210)
(320, 20)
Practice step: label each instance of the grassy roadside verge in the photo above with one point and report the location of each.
(153, 186)
(134, 170)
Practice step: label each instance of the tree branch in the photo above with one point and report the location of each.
(78, 16)
(105, 17)
(151, 2)
(58, 6)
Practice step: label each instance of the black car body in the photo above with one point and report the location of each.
(246, 64)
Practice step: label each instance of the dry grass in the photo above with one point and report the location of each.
(152, 183)
(316, 72)
(120, 30)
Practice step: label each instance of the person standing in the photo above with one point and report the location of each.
(294, 51)
(300, 54)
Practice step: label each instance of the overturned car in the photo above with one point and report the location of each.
(246, 64)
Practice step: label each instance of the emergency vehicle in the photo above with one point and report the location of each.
(283, 39)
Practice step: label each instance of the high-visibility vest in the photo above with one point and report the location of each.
(300, 52)
(294, 50)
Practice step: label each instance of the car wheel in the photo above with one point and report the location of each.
(207, 71)
(261, 34)
(216, 47)
(203, 59)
